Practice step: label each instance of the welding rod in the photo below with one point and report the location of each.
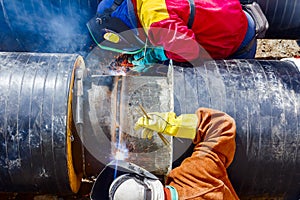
(166, 142)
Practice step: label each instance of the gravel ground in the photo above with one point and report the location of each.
(266, 49)
(276, 49)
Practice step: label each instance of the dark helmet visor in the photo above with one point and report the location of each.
(123, 39)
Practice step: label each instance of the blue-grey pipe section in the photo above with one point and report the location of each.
(60, 26)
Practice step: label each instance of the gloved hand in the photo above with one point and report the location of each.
(183, 126)
(149, 56)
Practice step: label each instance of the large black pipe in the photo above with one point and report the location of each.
(59, 26)
(283, 17)
(263, 96)
(37, 137)
(264, 99)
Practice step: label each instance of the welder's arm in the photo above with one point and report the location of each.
(168, 123)
(164, 28)
(178, 41)
(204, 175)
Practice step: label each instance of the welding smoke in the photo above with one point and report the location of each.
(47, 26)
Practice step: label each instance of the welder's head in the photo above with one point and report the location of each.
(113, 34)
(121, 180)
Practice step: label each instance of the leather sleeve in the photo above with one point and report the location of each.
(203, 175)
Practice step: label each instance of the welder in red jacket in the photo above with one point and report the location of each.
(186, 29)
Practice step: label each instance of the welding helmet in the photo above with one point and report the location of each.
(111, 33)
(121, 180)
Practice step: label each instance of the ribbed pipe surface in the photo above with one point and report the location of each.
(34, 95)
(264, 99)
(283, 17)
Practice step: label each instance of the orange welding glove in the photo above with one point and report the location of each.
(183, 126)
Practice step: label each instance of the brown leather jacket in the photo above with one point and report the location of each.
(204, 175)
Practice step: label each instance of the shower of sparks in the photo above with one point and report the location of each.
(121, 154)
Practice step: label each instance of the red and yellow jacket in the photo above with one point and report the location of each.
(219, 27)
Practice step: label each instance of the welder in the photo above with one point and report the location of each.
(202, 175)
(183, 31)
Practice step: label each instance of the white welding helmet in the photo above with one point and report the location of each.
(134, 187)
(121, 180)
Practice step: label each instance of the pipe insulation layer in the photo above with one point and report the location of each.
(283, 17)
(45, 25)
(35, 123)
(264, 99)
(60, 26)
(36, 136)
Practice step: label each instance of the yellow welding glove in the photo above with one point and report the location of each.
(183, 126)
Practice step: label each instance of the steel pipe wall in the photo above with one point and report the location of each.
(283, 17)
(110, 110)
(41, 100)
(262, 96)
(264, 99)
(35, 123)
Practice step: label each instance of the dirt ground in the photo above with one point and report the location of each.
(267, 49)
(276, 49)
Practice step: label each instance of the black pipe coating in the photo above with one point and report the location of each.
(34, 94)
(283, 17)
(262, 96)
(264, 99)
